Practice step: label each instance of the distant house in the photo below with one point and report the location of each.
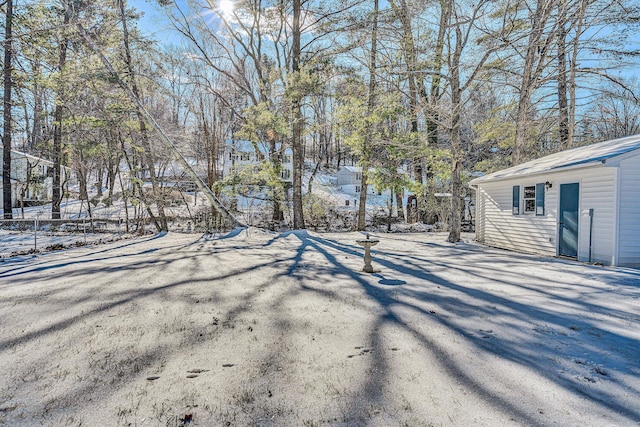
(349, 180)
(582, 203)
(241, 155)
(31, 180)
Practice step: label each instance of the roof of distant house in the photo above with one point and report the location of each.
(588, 155)
(31, 156)
(358, 169)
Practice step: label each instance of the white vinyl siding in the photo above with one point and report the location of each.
(497, 226)
(597, 192)
(629, 205)
(608, 179)
(349, 175)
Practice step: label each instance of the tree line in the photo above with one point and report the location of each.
(442, 88)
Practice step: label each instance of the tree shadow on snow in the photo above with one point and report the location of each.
(464, 301)
(420, 282)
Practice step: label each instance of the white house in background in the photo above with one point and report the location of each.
(242, 155)
(349, 180)
(582, 203)
(31, 180)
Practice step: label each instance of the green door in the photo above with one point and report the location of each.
(568, 233)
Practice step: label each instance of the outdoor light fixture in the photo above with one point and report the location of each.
(548, 185)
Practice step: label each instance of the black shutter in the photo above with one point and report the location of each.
(516, 200)
(540, 199)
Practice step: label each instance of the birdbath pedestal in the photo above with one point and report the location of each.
(367, 243)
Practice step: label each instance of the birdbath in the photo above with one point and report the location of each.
(367, 243)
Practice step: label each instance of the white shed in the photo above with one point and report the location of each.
(582, 203)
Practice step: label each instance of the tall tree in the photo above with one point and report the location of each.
(563, 103)
(7, 104)
(63, 45)
(538, 48)
(578, 28)
(150, 159)
(436, 78)
(365, 159)
(414, 80)
(468, 23)
(298, 121)
(246, 52)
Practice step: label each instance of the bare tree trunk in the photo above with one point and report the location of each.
(136, 184)
(6, 137)
(125, 200)
(162, 225)
(432, 115)
(38, 111)
(409, 51)
(362, 203)
(113, 164)
(572, 72)
(99, 178)
(400, 204)
(563, 111)
(132, 96)
(434, 93)
(362, 208)
(313, 175)
(456, 143)
(57, 117)
(297, 145)
(276, 159)
(82, 181)
(536, 52)
(114, 169)
(210, 146)
(390, 211)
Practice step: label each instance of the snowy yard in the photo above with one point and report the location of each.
(284, 330)
(21, 242)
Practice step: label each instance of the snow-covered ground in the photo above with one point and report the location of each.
(323, 185)
(257, 328)
(21, 242)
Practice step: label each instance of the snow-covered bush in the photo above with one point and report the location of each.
(316, 210)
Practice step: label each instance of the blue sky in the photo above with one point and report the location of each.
(156, 25)
(153, 22)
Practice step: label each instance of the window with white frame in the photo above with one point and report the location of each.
(529, 199)
(532, 199)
